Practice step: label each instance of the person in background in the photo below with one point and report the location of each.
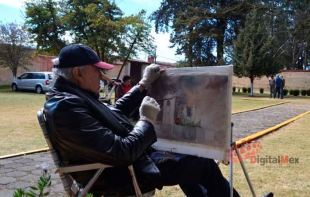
(123, 88)
(272, 85)
(278, 87)
(282, 87)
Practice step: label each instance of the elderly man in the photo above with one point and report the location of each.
(84, 130)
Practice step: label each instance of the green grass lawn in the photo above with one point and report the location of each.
(285, 180)
(20, 131)
(242, 103)
(19, 126)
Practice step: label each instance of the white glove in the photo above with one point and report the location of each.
(149, 109)
(150, 74)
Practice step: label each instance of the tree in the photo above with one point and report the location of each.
(137, 37)
(15, 50)
(298, 30)
(94, 23)
(202, 30)
(44, 22)
(253, 53)
(289, 25)
(101, 25)
(97, 23)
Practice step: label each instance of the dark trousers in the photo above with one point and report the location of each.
(277, 92)
(281, 92)
(272, 89)
(195, 175)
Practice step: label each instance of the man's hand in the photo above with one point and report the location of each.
(115, 83)
(150, 74)
(149, 109)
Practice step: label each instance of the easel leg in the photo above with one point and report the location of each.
(232, 148)
(231, 163)
(244, 171)
(231, 173)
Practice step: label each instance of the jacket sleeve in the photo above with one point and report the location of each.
(78, 136)
(131, 101)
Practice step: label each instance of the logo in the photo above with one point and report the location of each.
(249, 149)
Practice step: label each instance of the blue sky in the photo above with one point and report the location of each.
(12, 11)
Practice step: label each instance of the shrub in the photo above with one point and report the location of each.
(285, 91)
(303, 92)
(291, 92)
(244, 90)
(296, 92)
(234, 89)
(249, 90)
(42, 189)
(308, 92)
(261, 90)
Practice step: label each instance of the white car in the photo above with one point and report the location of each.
(37, 81)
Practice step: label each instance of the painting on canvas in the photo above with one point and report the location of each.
(195, 110)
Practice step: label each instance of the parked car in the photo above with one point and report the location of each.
(38, 81)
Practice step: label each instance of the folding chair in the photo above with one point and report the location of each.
(71, 187)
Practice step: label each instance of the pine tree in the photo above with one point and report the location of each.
(253, 50)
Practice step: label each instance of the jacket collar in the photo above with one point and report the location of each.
(61, 82)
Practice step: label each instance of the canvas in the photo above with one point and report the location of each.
(195, 114)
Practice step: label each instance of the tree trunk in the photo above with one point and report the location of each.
(252, 85)
(221, 25)
(128, 55)
(14, 71)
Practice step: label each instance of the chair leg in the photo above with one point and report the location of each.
(134, 181)
(90, 183)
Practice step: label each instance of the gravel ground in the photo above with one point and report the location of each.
(248, 123)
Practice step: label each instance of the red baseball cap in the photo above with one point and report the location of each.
(80, 55)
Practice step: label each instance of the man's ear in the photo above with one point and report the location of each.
(77, 74)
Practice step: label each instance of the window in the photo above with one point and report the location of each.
(38, 76)
(26, 76)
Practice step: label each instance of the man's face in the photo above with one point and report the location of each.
(90, 79)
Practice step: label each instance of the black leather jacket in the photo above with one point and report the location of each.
(84, 130)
